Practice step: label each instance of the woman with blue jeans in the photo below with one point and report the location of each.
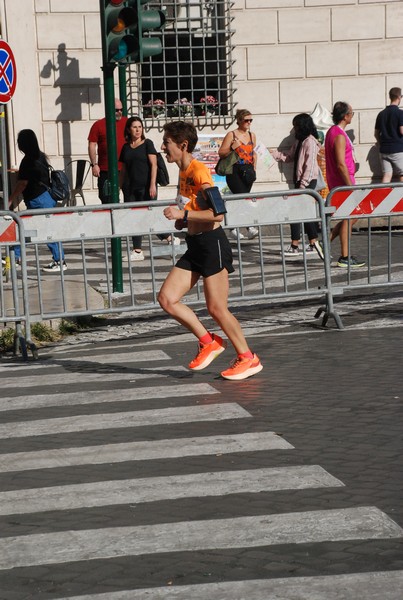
(33, 182)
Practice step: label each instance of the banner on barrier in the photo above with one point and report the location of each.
(370, 202)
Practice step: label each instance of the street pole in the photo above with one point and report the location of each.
(113, 176)
(4, 164)
(122, 88)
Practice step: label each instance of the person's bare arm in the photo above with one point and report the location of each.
(197, 216)
(153, 182)
(122, 175)
(340, 153)
(15, 197)
(92, 153)
(228, 145)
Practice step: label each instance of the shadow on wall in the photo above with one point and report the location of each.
(74, 91)
(287, 169)
(374, 161)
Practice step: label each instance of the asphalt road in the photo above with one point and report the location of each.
(124, 476)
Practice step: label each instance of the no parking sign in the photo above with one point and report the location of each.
(8, 73)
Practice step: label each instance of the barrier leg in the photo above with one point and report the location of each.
(327, 312)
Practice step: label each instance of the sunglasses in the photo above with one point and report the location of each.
(247, 120)
(118, 109)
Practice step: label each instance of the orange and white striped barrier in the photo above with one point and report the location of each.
(8, 230)
(363, 201)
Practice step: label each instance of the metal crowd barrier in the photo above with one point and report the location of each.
(86, 233)
(28, 295)
(377, 207)
(14, 289)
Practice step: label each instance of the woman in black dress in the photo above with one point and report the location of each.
(138, 176)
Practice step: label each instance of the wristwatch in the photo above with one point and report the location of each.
(185, 217)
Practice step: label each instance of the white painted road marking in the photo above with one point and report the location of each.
(367, 523)
(153, 489)
(95, 396)
(382, 585)
(140, 418)
(113, 359)
(139, 451)
(80, 377)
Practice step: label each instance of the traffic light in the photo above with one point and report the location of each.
(124, 23)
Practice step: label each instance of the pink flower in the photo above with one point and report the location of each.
(157, 102)
(209, 100)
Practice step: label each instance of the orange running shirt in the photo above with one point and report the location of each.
(191, 182)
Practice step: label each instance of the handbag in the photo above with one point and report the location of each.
(248, 173)
(215, 200)
(320, 181)
(162, 171)
(225, 165)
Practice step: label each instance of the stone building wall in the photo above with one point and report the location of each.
(290, 54)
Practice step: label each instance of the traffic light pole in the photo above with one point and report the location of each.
(113, 175)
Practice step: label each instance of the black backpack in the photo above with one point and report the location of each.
(59, 185)
(162, 171)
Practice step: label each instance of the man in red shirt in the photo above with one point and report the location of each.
(97, 146)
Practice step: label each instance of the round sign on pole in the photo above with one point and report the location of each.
(8, 73)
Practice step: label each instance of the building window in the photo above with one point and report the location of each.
(192, 78)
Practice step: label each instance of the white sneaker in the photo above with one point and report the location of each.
(290, 251)
(236, 234)
(252, 232)
(55, 267)
(174, 241)
(136, 256)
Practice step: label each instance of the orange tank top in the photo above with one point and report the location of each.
(245, 151)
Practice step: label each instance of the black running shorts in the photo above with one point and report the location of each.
(208, 253)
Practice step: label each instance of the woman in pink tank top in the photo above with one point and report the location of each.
(340, 169)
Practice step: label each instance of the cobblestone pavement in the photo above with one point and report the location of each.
(124, 476)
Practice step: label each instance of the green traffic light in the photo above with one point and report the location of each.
(123, 23)
(125, 19)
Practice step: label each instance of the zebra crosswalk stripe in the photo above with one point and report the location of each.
(184, 414)
(381, 585)
(98, 397)
(103, 375)
(141, 451)
(367, 523)
(113, 359)
(153, 489)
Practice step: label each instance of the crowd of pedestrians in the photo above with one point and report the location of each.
(209, 255)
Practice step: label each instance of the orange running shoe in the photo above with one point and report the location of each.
(207, 353)
(241, 368)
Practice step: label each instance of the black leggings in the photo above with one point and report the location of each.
(236, 182)
(311, 229)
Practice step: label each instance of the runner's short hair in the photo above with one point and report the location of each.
(181, 131)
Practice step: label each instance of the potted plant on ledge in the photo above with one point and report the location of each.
(182, 108)
(155, 108)
(208, 106)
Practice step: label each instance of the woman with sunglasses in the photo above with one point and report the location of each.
(243, 142)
